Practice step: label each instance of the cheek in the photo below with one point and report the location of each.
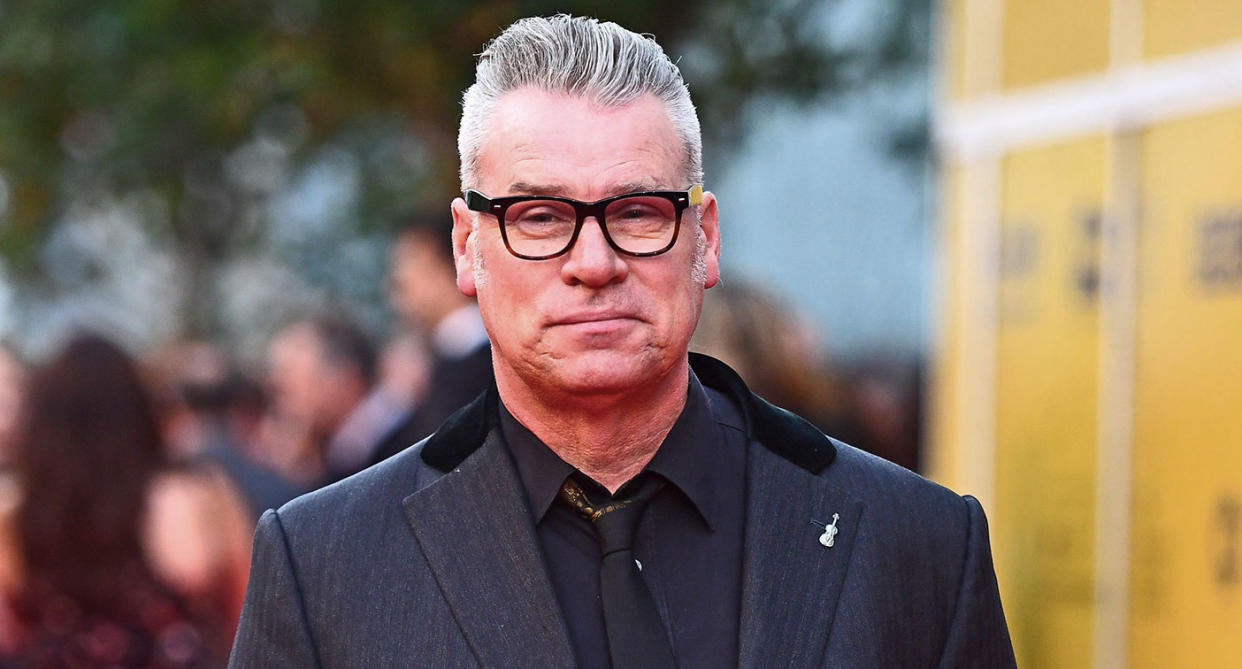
(517, 298)
(501, 304)
(682, 310)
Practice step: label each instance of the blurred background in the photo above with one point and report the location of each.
(996, 241)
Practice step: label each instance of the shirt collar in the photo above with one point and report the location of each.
(684, 458)
(542, 471)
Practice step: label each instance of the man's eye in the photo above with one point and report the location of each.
(539, 215)
(642, 211)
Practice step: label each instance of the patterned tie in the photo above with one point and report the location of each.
(636, 638)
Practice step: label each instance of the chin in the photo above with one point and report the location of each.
(606, 371)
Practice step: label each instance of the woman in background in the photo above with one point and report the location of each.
(112, 556)
(11, 384)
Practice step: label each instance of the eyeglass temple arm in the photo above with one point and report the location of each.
(695, 194)
(476, 201)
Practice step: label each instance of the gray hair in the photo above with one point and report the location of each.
(582, 56)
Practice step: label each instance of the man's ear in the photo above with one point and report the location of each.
(463, 259)
(710, 224)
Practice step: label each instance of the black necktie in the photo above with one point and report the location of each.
(636, 638)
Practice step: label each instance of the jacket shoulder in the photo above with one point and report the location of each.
(360, 496)
(909, 503)
(931, 545)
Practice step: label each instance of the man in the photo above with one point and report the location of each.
(612, 502)
(422, 291)
(323, 377)
(203, 418)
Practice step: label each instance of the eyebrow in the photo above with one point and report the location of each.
(525, 188)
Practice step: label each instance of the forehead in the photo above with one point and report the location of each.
(569, 145)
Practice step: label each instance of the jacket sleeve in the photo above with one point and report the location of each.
(978, 636)
(274, 631)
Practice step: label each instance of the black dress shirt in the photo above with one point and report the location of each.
(689, 541)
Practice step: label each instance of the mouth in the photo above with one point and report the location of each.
(590, 318)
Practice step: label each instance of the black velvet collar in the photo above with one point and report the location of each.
(781, 431)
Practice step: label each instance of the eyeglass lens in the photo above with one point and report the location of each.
(639, 224)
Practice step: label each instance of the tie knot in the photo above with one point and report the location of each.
(614, 517)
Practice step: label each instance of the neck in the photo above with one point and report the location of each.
(610, 438)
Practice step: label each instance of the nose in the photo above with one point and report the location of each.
(592, 262)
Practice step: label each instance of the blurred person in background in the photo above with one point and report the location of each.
(885, 409)
(113, 555)
(872, 406)
(405, 367)
(11, 377)
(423, 291)
(775, 351)
(202, 407)
(336, 416)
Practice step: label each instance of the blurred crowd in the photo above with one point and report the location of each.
(130, 484)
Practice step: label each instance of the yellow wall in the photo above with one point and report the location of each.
(1061, 341)
(1186, 577)
(945, 380)
(1172, 27)
(953, 47)
(1047, 342)
(1046, 40)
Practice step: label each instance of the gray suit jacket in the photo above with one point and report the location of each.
(429, 559)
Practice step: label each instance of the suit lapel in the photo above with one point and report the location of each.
(476, 533)
(791, 583)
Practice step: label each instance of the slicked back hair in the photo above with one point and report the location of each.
(581, 56)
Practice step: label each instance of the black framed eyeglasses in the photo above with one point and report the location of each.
(538, 227)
